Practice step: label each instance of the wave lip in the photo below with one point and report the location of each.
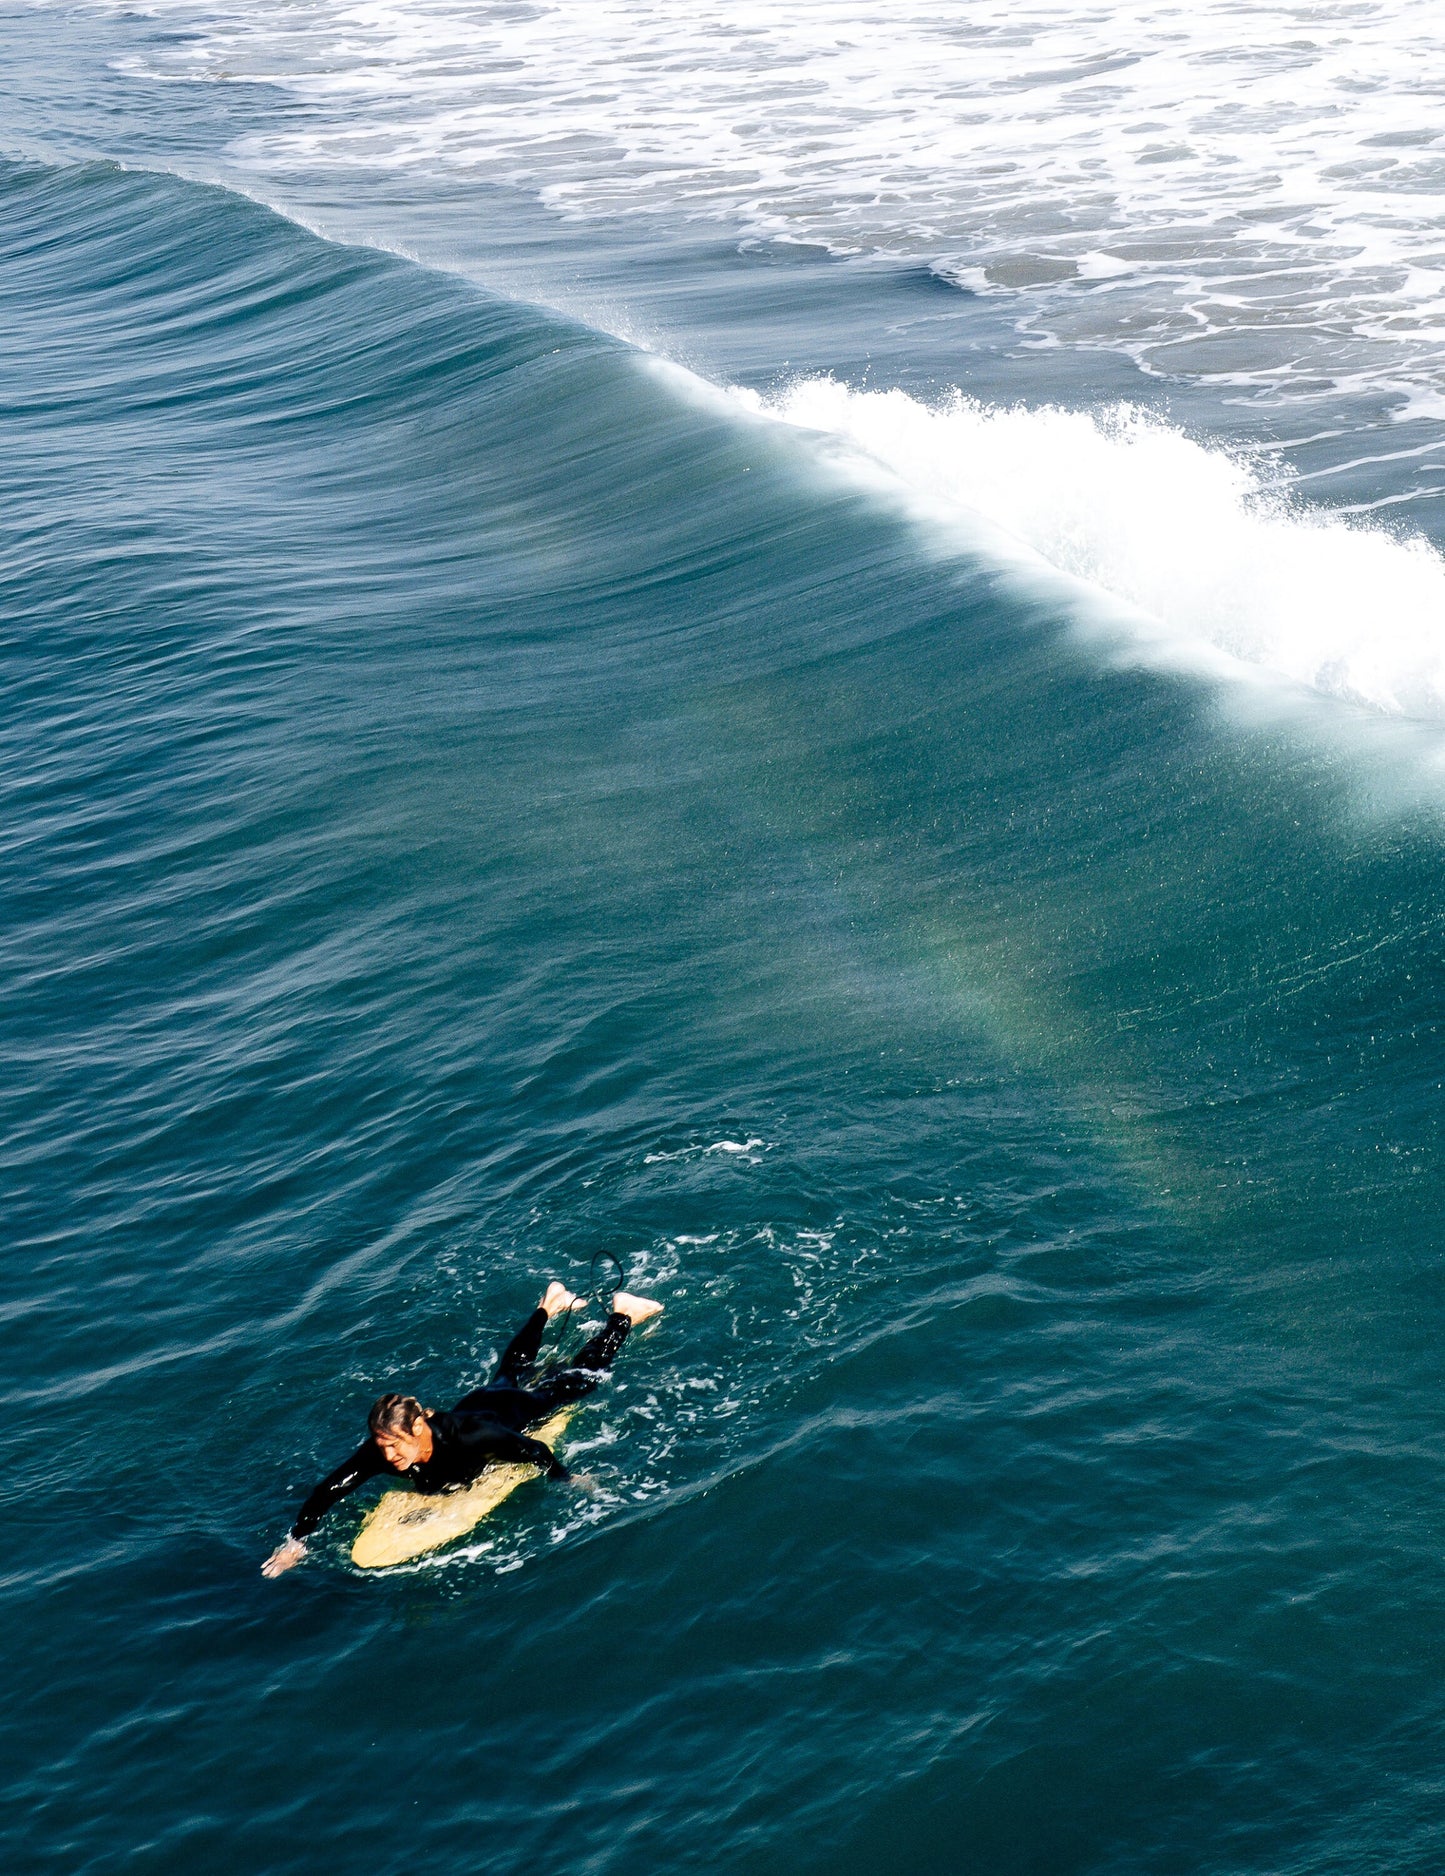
(1216, 557)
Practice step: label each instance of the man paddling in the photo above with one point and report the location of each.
(438, 1452)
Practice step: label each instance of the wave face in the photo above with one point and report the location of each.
(1246, 193)
(1234, 202)
(902, 833)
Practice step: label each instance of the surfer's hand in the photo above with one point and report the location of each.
(283, 1557)
(585, 1482)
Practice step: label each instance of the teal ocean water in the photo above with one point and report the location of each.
(849, 735)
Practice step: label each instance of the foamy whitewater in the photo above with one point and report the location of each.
(1250, 190)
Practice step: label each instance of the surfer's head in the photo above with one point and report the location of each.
(399, 1426)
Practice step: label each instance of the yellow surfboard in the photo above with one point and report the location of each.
(402, 1525)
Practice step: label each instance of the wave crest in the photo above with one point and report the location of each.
(1217, 557)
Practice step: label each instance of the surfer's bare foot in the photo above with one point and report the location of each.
(557, 1298)
(635, 1308)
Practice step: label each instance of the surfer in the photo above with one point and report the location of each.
(439, 1451)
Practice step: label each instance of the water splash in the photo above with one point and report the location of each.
(1204, 551)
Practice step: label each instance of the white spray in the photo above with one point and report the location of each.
(1188, 535)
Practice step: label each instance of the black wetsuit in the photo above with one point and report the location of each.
(485, 1426)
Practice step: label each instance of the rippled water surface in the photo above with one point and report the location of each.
(812, 652)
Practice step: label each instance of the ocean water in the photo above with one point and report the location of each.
(808, 649)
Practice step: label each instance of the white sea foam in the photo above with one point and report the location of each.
(1195, 549)
(1248, 191)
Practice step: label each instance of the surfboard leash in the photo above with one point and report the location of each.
(599, 1292)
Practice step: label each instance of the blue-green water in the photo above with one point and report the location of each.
(476, 795)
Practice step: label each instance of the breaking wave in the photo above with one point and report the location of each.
(1203, 548)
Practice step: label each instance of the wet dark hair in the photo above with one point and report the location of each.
(395, 1413)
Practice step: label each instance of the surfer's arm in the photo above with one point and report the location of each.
(492, 1442)
(534, 1453)
(365, 1463)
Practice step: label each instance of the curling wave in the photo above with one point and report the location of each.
(1206, 552)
